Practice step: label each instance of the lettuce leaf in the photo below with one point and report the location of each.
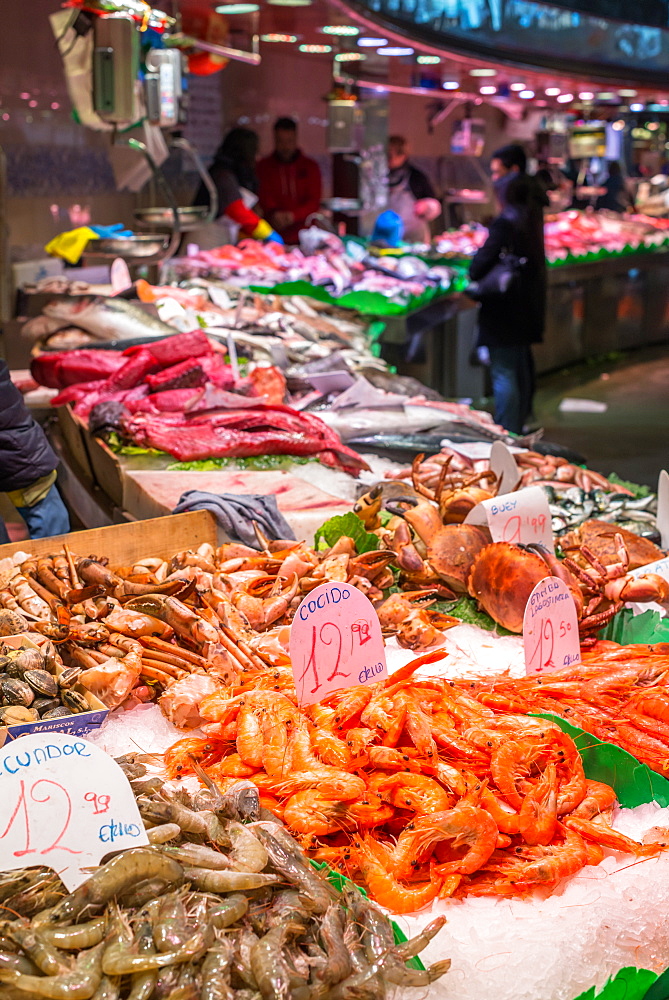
(468, 611)
(255, 462)
(637, 489)
(348, 525)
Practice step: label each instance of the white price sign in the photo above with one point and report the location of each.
(65, 804)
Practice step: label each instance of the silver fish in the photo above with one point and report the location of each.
(107, 318)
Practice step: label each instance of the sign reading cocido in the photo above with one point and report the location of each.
(335, 642)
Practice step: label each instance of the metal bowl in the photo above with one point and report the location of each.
(343, 205)
(190, 217)
(137, 247)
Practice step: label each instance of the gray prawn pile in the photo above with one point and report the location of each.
(223, 905)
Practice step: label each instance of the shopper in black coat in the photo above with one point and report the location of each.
(27, 466)
(510, 324)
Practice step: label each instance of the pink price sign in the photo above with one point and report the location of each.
(550, 628)
(335, 642)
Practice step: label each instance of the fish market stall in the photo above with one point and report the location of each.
(408, 787)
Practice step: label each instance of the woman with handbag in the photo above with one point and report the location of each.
(509, 280)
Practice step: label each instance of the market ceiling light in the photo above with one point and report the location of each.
(316, 49)
(552, 91)
(276, 37)
(426, 60)
(349, 57)
(636, 107)
(519, 86)
(371, 43)
(343, 30)
(395, 50)
(526, 95)
(289, 3)
(627, 93)
(483, 72)
(237, 8)
(451, 85)
(586, 95)
(488, 90)
(606, 96)
(652, 126)
(618, 126)
(565, 98)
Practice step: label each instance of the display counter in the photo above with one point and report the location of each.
(594, 307)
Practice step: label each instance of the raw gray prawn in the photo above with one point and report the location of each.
(134, 865)
(79, 983)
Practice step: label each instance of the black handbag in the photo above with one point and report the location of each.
(502, 279)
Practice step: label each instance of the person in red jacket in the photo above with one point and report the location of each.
(289, 183)
(233, 173)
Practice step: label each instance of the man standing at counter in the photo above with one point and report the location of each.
(410, 193)
(289, 183)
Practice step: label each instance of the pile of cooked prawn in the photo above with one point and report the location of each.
(413, 787)
(223, 903)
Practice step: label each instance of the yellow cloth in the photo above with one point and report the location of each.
(32, 494)
(262, 230)
(71, 245)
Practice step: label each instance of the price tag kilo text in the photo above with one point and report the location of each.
(335, 642)
(550, 628)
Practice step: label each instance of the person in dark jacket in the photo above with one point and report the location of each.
(28, 466)
(615, 197)
(510, 324)
(410, 193)
(290, 183)
(233, 172)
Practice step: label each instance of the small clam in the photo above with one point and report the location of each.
(75, 701)
(42, 682)
(12, 623)
(30, 659)
(4, 663)
(14, 668)
(69, 677)
(17, 692)
(43, 705)
(17, 715)
(57, 713)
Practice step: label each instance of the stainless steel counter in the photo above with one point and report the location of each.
(594, 308)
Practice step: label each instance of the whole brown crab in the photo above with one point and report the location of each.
(598, 538)
(503, 576)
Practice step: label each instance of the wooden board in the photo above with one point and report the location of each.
(124, 544)
(72, 432)
(106, 468)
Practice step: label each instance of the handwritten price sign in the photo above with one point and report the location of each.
(65, 804)
(659, 568)
(550, 628)
(521, 517)
(335, 642)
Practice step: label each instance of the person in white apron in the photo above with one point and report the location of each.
(233, 173)
(410, 193)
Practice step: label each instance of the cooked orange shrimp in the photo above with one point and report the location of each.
(565, 859)
(416, 792)
(606, 836)
(384, 887)
(599, 798)
(538, 814)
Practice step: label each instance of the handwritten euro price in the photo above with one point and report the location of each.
(335, 642)
(522, 517)
(64, 801)
(550, 628)
(518, 527)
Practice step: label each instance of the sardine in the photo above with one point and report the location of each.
(107, 318)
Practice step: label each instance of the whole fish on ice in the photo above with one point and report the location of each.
(106, 318)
